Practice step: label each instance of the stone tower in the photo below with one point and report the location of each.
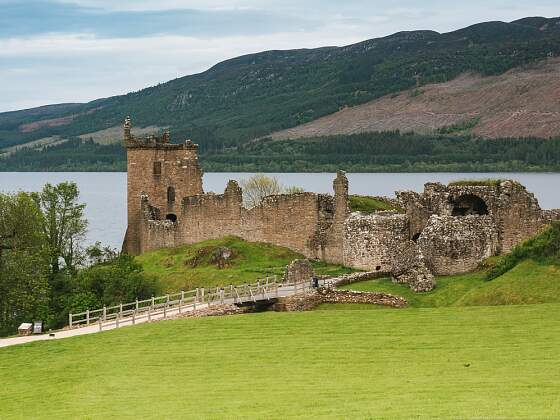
(162, 172)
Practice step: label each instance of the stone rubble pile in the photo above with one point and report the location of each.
(409, 267)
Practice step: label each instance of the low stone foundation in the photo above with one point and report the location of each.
(356, 277)
(310, 300)
(329, 295)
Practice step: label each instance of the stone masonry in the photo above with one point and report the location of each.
(443, 230)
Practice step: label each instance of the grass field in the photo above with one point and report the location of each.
(462, 362)
(528, 282)
(190, 266)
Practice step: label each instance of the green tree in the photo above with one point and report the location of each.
(24, 287)
(257, 187)
(64, 224)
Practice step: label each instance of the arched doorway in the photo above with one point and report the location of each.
(469, 204)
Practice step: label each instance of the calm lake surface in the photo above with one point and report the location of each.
(105, 192)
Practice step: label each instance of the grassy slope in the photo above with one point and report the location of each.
(528, 282)
(347, 364)
(251, 261)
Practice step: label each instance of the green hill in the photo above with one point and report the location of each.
(199, 265)
(253, 95)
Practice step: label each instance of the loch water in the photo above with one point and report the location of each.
(104, 193)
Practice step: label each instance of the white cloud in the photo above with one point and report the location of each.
(78, 68)
(53, 68)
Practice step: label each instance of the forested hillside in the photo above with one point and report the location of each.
(254, 95)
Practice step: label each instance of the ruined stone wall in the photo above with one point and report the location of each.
(452, 245)
(302, 222)
(370, 240)
(515, 211)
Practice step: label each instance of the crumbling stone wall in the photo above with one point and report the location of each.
(409, 267)
(453, 245)
(515, 212)
(304, 222)
(370, 240)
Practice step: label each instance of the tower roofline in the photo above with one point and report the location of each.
(153, 141)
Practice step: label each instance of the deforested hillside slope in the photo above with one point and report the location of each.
(523, 102)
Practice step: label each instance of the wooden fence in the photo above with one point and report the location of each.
(160, 307)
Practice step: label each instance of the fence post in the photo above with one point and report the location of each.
(182, 296)
(87, 316)
(117, 320)
(133, 317)
(150, 314)
(222, 296)
(104, 313)
(153, 303)
(181, 301)
(231, 292)
(202, 294)
(195, 299)
(120, 310)
(136, 305)
(70, 320)
(100, 325)
(165, 308)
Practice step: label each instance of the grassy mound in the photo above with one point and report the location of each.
(544, 247)
(368, 205)
(478, 362)
(204, 264)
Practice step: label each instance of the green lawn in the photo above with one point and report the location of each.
(190, 266)
(528, 282)
(461, 362)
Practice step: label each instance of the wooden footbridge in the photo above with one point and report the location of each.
(163, 307)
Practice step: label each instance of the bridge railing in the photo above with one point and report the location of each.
(159, 306)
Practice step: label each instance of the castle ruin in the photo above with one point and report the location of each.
(444, 230)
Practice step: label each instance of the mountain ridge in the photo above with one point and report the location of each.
(251, 96)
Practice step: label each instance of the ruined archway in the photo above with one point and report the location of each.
(469, 204)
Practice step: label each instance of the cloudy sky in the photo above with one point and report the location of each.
(54, 51)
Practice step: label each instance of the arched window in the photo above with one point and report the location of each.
(469, 204)
(170, 195)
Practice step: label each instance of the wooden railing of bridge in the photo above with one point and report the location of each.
(160, 307)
